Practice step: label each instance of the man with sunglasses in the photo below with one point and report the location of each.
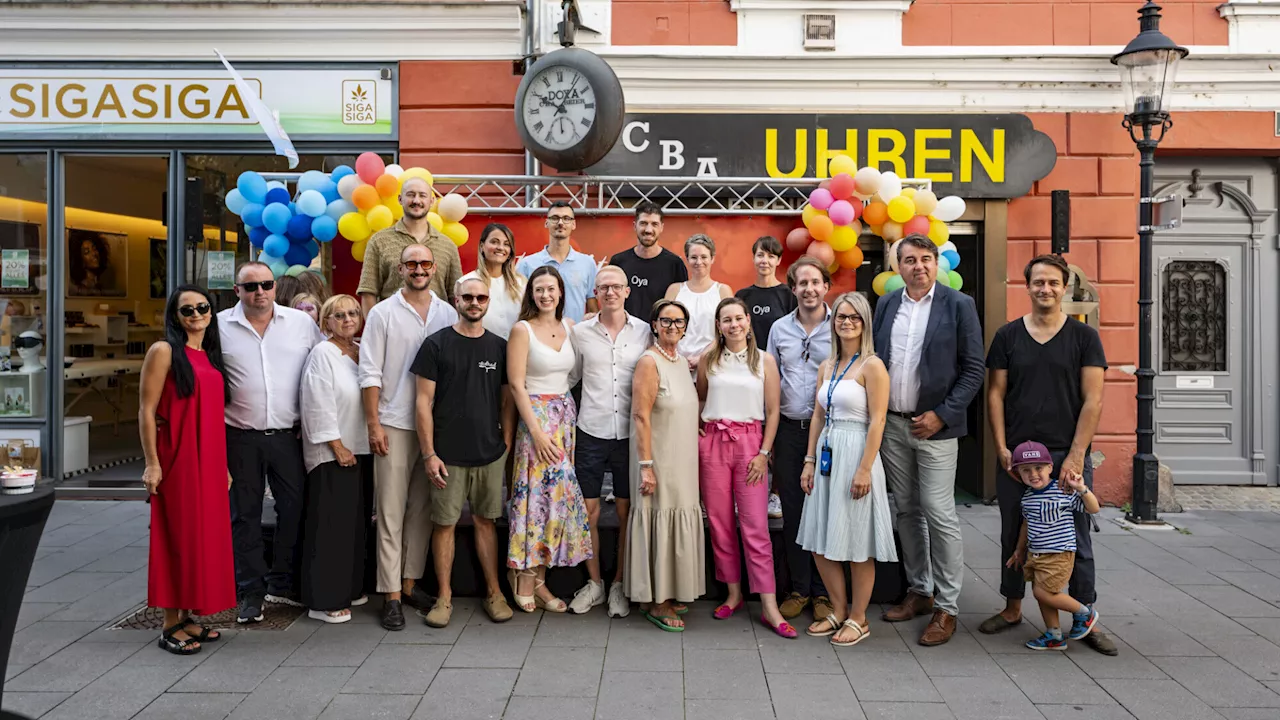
(466, 422)
(800, 341)
(609, 345)
(393, 335)
(577, 269)
(264, 348)
(380, 277)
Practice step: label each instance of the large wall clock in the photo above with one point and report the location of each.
(569, 108)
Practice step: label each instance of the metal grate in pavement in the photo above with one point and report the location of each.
(275, 617)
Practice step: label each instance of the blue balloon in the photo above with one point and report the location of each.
(293, 208)
(278, 195)
(330, 192)
(340, 172)
(252, 186)
(299, 229)
(311, 203)
(338, 208)
(279, 268)
(324, 228)
(276, 184)
(299, 254)
(312, 180)
(276, 246)
(236, 201)
(251, 214)
(267, 258)
(952, 257)
(275, 217)
(258, 235)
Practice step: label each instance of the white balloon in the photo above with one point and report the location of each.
(890, 186)
(867, 181)
(948, 245)
(949, 209)
(395, 171)
(893, 255)
(273, 184)
(452, 207)
(348, 185)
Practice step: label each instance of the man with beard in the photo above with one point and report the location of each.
(1045, 373)
(577, 269)
(930, 338)
(650, 268)
(393, 334)
(379, 278)
(466, 421)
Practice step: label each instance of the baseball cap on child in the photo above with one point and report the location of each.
(1031, 453)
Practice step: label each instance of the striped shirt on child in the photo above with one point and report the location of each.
(1050, 524)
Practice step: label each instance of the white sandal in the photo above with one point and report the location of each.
(832, 622)
(555, 605)
(862, 634)
(527, 603)
(332, 617)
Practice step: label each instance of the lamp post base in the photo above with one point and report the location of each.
(1146, 489)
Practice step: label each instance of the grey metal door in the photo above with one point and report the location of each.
(1216, 322)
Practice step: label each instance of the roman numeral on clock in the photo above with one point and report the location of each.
(559, 76)
(586, 122)
(537, 127)
(590, 106)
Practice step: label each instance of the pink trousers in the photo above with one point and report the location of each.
(724, 452)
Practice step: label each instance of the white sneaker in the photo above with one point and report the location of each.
(619, 605)
(775, 506)
(587, 597)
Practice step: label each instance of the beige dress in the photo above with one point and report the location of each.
(665, 551)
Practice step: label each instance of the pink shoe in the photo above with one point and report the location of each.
(783, 629)
(724, 612)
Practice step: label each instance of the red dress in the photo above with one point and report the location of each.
(191, 561)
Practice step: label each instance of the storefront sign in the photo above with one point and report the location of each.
(15, 268)
(974, 156)
(205, 101)
(222, 270)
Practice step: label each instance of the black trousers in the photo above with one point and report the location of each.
(1009, 494)
(255, 458)
(789, 448)
(333, 535)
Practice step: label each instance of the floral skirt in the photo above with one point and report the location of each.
(547, 514)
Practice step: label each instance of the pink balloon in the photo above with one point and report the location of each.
(842, 186)
(918, 224)
(798, 239)
(841, 212)
(370, 167)
(821, 198)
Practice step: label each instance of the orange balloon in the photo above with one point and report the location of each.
(387, 186)
(366, 198)
(821, 227)
(875, 213)
(822, 252)
(851, 258)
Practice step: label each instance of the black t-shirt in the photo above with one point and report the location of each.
(469, 374)
(649, 279)
(1043, 398)
(766, 306)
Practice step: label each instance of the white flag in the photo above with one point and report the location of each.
(266, 117)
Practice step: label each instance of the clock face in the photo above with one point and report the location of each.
(559, 108)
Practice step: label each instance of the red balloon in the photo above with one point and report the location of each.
(822, 252)
(918, 224)
(857, 207)
(370, 167)
(842, 186)
(798, 239)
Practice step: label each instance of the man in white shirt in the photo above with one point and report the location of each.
(393, 334)
(609, 345)
(264, 348)
(930, 338)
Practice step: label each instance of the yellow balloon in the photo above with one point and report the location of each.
(397, 210)
(843, 238)
(877, 285)
(926, 202)
(842, 164)
(833, 268)
(909, 192)
(457, 232)
(901, 209)
(380, 218)
(939, 233)
(809, 213)
(416, 172)
(357, 251)
(354, 227)
(435, 221)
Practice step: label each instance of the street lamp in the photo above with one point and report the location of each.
(1147, 68)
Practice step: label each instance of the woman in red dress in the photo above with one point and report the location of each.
(184, 392)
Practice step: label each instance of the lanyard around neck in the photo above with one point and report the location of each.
(831, 387)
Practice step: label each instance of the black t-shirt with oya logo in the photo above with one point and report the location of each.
(767, 306)
(649, 279)
(469, 374)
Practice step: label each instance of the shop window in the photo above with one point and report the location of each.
(23, 284)
(1193, 316)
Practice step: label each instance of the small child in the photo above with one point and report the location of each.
(1049, 533)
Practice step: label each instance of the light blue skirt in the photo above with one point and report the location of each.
(833, 524)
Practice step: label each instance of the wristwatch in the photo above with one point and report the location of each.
(764, 452)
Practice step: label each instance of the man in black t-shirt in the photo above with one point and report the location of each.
(650, 268)
(1045, 385)
(466, 420)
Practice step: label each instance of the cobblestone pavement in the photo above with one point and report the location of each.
(1195, 612)
(1227, 497)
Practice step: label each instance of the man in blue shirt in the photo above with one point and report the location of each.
(577, 269)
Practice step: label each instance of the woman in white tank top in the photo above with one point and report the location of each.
(700, 295)
(496, 268)
(547, 514)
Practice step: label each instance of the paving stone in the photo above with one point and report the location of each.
(1259, 584)
(641, 696)
(888, 677)
(293, 692)
(120, 693)
(190, 706)
(467, 694)
(371, 707)
(32, 704)
(125, 559)
(704, 633)
(724, 674)
(238, 668)
(71, 668)
(110, 602)
(561, 672)
(907, 711)
(1050, 678)
(150, 655)
(345, 645)
(1155, 636)
(522, 707)
(1247, 550)
(804, 697)
(1157, 699)
(988, 699)
(803, 655)
(397, 669)
(417, 632)
(1129, 664)
(71, 534)
(32, 612)
(739, 709)
(1247, 713)
(1258, 657)
(1268, 628)
(635, 644)
(1218, 683)
(13, 671)
(73, 586)
(491, 646)
(961, 656)
(1084, 712)
(569, 630)
(1212, 559)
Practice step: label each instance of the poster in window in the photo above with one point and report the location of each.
(159, 267)
(97, 264)
(24, 236)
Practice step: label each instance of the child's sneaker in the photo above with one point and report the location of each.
(1083, 624)
(775, 506)
(1048, 642)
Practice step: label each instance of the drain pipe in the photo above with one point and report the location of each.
(531, 164)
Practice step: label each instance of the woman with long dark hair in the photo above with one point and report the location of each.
(496, 268)
(180, 419)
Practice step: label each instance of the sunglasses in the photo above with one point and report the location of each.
(469, 298)
(191, 310)
(415, 264)
(347, 315)
(253, 286)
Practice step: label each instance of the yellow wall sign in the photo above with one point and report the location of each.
(125, 100)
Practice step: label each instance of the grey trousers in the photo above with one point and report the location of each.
(922, 476)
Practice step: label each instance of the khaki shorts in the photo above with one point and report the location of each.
(1049, 571)
(480, 486)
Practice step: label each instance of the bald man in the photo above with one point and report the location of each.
(380, 279)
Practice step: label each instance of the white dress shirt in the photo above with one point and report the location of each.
(331, 406)
(265, 370)
(393, 334)
(606, 367)
(907, 341)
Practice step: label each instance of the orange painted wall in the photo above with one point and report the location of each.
(1101, 22)
(683, 22)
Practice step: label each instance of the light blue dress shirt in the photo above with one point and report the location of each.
(799, 354)
(579, 273)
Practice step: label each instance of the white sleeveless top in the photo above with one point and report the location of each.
(702, 318)
(547, 371)
(849, 396)
(503, 311)
(734, 392)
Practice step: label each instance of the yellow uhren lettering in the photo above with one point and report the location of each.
(893, 155)
(771, 153)
(992, 162)
(79, 103)
(19, 99)
(824, 156)
(923, 153)
(109, 100)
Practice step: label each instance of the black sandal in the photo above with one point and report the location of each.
(206, 635)
(168, 643)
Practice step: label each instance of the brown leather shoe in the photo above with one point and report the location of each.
(912, 606)
(793, 605)
(939, 630)
(822, 607)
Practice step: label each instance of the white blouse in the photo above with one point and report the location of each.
(331, 406)
(701, 329)
(503, 311)
(735, 393)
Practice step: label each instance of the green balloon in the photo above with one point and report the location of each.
(296, 270)
(956, 281)
(894, 283)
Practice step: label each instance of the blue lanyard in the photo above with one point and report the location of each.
(831, 387)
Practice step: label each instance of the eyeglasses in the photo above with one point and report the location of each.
(346, 315)
(191, 310)
(677, 323)
(841, 319)
(412, 265)
(266, 285)
(606, 289)
(559, 220)
(469, 298)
